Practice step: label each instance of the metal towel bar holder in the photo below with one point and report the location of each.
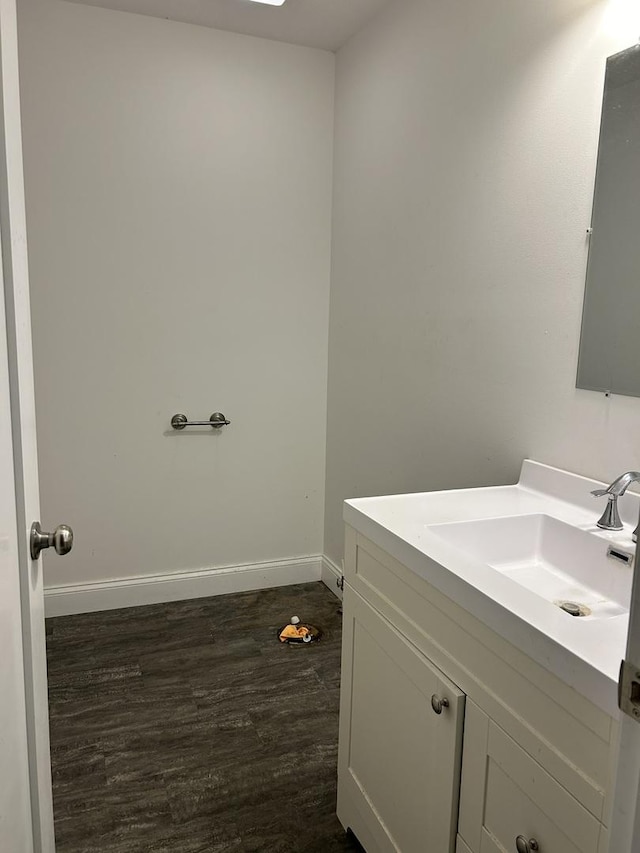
(217, 420)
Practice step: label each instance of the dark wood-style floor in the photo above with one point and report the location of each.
(187, 727)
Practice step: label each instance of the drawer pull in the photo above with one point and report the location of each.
(524, 846)
(438, 704)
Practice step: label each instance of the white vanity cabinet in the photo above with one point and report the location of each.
(515, 761)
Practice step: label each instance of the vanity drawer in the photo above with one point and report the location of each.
(567, 735)
(506, 794)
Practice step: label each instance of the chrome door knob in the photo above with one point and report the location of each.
(524, 846)
(61, 539)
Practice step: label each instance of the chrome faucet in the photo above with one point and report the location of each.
(610, 519)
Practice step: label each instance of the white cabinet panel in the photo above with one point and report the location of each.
(505, 793)
(399, 760)
(461, 847)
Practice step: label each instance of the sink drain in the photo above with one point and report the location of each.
(573, 609)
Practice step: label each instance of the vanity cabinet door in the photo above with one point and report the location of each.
(400, 739)
(506, 795)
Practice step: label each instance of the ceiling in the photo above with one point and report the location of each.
(325, 24)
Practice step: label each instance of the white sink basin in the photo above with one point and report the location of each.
(556, 561)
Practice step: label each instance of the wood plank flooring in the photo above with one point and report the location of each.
(188, 728)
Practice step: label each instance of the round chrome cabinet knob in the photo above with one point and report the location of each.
(61, 540)
(438, 704)
(524, 846)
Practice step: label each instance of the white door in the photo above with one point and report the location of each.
(625, 823)
(15, 806)
(26, 812)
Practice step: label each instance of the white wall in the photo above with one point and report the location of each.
(179, 199)
(179, 192)
(466, 137)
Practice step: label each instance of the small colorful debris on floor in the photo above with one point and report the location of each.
(296, 632)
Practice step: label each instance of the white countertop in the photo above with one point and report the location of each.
(585, 654)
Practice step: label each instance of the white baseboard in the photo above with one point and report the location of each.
(331, 574)
(179, 586)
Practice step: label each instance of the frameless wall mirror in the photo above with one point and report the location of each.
(610, 342)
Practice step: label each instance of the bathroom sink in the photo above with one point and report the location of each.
(579, 571)
(508, 554)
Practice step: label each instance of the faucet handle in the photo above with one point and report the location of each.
(610, 518)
